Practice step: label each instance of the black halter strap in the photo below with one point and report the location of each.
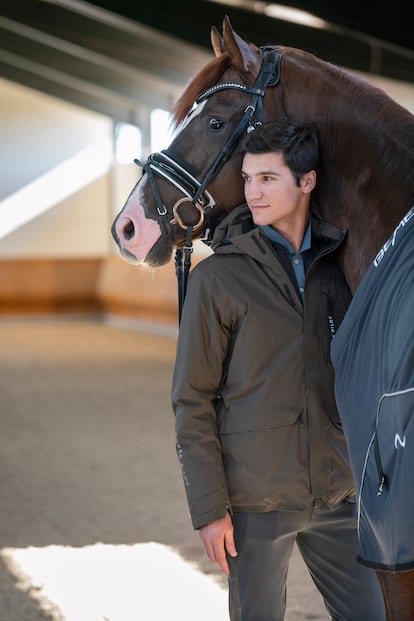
(165, 165)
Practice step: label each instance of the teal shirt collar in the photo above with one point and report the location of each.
(274, 235)
(295, 257)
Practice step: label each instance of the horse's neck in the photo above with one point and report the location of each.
(369, 204)
(368, 216)
(366, 184)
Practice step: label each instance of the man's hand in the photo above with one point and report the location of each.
(218, 538)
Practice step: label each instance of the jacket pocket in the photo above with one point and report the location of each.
(394, 423)
(264, 463)
(237, 420)
(386, 497)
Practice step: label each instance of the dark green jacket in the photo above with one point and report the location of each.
(273, 439)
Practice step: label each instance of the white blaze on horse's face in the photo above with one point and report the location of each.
(195, 111)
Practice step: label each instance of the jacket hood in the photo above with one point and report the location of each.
(237, 234)
(237, 222)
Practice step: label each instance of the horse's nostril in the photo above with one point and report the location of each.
(129, 230)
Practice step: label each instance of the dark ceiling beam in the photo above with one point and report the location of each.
(191, 20)
(93, 58)
(114, 56)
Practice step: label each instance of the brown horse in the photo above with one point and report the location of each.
(365, 185)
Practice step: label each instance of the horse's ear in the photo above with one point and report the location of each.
(243, 55)
(217, 41)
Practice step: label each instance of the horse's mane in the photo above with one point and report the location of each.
(369, 99)
(208, 76)
(355, 87)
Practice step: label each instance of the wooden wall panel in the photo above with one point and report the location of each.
(99, 286)
(49, 286)
(138, 292)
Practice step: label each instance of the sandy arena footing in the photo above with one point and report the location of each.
(93, 521)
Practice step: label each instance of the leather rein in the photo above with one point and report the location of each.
(178, 173)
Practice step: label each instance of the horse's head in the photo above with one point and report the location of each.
(365, 180)
(193, 183)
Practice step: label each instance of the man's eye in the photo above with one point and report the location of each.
(215, 124)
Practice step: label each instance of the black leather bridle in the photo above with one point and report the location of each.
(178, 173)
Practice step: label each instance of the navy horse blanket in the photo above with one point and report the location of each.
(373, 356)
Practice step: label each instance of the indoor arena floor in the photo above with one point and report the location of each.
(93, 519)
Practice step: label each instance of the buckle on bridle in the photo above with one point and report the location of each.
(162, 211)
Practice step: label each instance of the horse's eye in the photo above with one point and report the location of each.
(215, 124)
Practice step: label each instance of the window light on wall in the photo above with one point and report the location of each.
(128, 143)
(161, 132)
(128, 138)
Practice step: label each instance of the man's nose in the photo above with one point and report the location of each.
(252, 190)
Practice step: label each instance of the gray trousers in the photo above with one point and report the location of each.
(328, 542)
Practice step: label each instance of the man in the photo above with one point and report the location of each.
(258, 434)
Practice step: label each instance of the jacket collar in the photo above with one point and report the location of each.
(238, 234)
(277, 237)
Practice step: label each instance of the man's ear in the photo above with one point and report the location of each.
(308, 181)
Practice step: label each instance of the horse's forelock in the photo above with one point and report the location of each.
(208, 76)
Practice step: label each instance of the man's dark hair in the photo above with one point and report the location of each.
(297, 142)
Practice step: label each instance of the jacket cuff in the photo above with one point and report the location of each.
(206, 510)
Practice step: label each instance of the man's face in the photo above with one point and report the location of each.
(271, 191)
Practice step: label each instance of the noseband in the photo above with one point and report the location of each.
(178, 173)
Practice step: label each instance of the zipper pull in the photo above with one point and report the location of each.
(382, 483)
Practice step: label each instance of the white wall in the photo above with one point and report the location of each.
(38, 132)
(43, 142)
(77, 227)
(402, 92)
